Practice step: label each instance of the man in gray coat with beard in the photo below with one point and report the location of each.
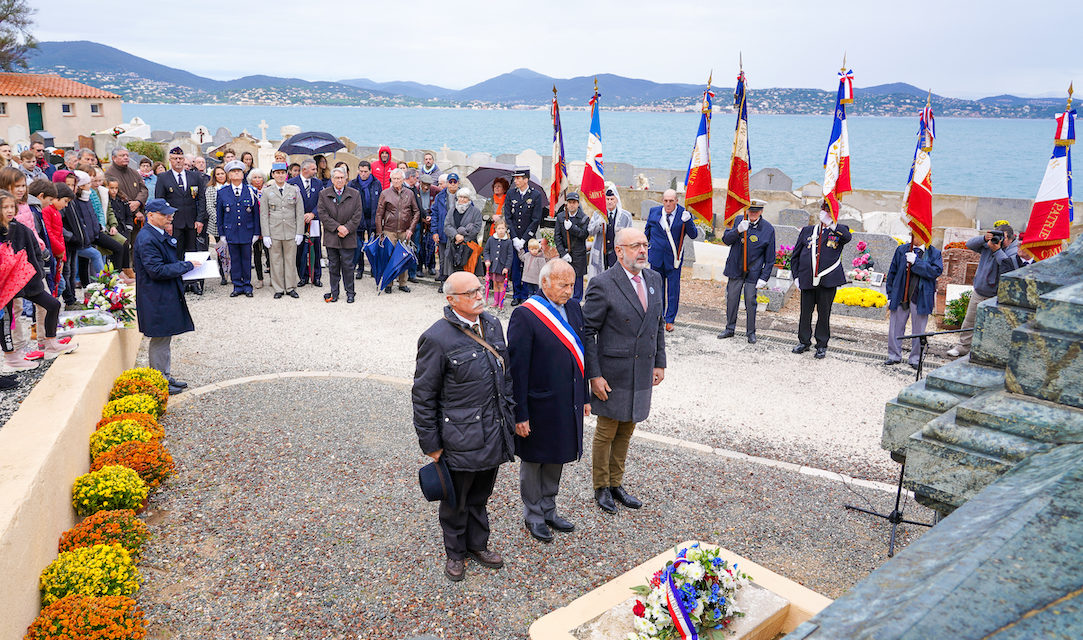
(625, 352)
(463, 414)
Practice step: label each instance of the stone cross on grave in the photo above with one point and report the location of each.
(770, 177)
(263, 130)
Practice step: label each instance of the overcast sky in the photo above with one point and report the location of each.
(962, 49)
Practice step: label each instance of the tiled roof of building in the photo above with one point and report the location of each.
(48, 86)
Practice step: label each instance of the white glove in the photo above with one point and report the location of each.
(519, 243)
(686, 216)
(567, 257)
(911, 256)
(255, 239)
(742, 227)
(761, 284)
(266, 242)
(297, 240)
(567, 223)
(825, 218)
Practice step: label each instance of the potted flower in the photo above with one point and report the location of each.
(761, 302)
(782, 261)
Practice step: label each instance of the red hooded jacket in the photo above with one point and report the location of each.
(382, 170)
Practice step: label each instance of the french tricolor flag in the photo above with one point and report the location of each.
(837, 159)
(1051, 216)
(738, 196)
(593, 176)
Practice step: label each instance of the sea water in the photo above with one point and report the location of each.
(972, 156)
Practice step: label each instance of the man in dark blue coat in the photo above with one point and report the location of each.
(666, 228)
(911, 294)
(162, 312)
(369, 187)
(309, 251)
(545, 349)
(442, 204)
(751, 240)
(817, 264)
(524, 208)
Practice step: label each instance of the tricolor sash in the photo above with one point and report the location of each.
(551, 318)
(681, 620)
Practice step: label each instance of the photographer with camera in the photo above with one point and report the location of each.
(997, 251)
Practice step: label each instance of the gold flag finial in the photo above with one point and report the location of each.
(929, 99)
(554, 91)
(843, 69)
(595, 84)
(1069, 107)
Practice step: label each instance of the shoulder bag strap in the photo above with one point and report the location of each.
(478, 339)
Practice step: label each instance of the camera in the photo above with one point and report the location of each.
(998, 236)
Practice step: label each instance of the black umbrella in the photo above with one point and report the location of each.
(310, 143)
(482, 178)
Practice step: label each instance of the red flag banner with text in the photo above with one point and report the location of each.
(1052, 214)
(593, 175)
(918, 197)
(738, 196)
(699, 189)
(837, 159)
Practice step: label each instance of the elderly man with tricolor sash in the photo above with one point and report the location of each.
(545, 350)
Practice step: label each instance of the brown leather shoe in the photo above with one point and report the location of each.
(487, 558)
(669, 326)
(455, 569)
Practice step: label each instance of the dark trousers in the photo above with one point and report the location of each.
(186, 241)
(577, 290)
(820, 299)
(340, 265)
(259, 254)
(671, 289)
(67, 273)
(240, 266)
(119, 251)
(734, 288)
(52, 314)
(363, 236)
(538, 486)
(466, 527)
(518, 288)
(308, 259)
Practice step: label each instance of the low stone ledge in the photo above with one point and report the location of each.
(43, 448)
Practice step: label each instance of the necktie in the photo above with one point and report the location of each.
(640, 291)
(237, 191)
(281, 191)
(669, 220)
(476, 328)
(180, 180)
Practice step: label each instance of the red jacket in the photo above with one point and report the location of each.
(55, 228)
(382, 170)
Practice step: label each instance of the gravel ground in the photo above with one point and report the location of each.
(11, 400)
(757, 399)
(295, 513)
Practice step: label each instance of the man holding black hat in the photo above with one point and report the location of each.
(524, 208)
(183, 190)
(817, 267)
(751, 240)
(570, 237)
(162, 312)
(462, 400)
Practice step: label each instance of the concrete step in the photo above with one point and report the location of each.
(993, 331)
(937, 400)
(979, 439)
(946, 475)
(1062, 310)
(1046, 364)
(1023, 416)
(965, 378)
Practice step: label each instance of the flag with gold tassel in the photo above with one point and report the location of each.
(737, 193)
(1052, 214)
(918, 196)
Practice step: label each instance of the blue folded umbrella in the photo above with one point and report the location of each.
(378, 251)
(401, 258)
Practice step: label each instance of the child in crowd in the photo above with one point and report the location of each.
(54, 224)
(29, 165)
(41, 199)
(533, 261)
(498, 259)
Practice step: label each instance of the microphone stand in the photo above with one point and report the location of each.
(923, 345)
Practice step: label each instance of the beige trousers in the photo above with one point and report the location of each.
(611, 438)
(396, 236)
(283, 255)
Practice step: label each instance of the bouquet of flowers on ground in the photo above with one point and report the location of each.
(782, 256)
(863, 258)
(107, 293)
(695, 591)
(859, 275)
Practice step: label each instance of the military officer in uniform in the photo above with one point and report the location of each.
(604, 228)
(752, 255)
(183, 190)
(238, 220)
(817, 265)
(282, 221)
(570, 236)
(524, 208)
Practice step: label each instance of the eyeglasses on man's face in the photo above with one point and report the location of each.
(472, 293)
(637, 246)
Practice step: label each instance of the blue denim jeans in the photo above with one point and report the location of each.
(97, 263)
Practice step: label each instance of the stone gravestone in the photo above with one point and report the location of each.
(85, 142)
(645, 208)
(960, 265)
(288, 131)
(186, 144)
(369, 153)
(455, 159)
(479, 159)
(506, 158)
(881, 249)
(770, 179)
(222, 136)
(575, 173)
(201, 134)
(136, 128)
(793, 217)
(530, 158)
(159, 135)
(621, 173)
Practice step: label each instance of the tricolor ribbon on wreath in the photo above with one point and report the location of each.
(551, 318)
(677, 611)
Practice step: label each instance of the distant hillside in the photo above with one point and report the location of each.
(140, 80)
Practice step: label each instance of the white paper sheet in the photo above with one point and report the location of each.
(208, 268)
(314, 229)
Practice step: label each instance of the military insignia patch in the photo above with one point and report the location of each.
(530, 201)
(832, 244)
(753, 239)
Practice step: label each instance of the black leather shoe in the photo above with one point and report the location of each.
(413, 280)
(178, 383)
(293, 293)
(440, 289)
(890, 363)
(349, 298)
(387, 289)
(605, 500)
(455, 569)
(751, 338)
(801, 348)
(725, 334)
(174, 390)
(234, 294)
(302, 282)
(539, 531)
(199, 288)
(8, 382)
(317, 283)
(278, 295)
(515, 302)
(248, 294)
(820, 353)
(405, 289)
(224, 281)
(625, 498)
(560, 524)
